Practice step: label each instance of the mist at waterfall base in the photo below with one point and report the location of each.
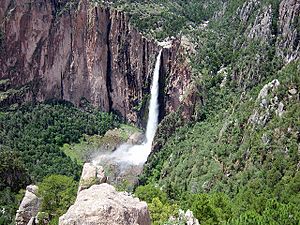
(127, 154)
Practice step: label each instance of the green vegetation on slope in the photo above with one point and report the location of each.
(36, 132)
(238, 162)
(58, 193)
(229, 169)
(165, 18)
(30, 142)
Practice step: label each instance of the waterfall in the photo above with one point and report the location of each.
(153, 106)
(138, 154)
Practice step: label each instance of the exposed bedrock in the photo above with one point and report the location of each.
(77, 51)
(29, 206)
(103, 205)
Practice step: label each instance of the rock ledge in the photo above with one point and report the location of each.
(103, 205)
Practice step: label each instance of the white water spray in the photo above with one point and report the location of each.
(138, 154)
(153, 106)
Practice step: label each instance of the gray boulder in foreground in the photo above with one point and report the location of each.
(103, 205)
(29, 206)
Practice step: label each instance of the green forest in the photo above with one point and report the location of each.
(30, 141)
(228, 171)
(223, 166)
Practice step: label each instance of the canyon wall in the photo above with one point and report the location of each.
(288, 43)
(78, 51)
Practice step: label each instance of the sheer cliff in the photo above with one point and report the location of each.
(78, 51)
(228, 140)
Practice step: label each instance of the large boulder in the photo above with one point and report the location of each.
(91, 175)
(103, 205)
(136, 138)
(29, 206)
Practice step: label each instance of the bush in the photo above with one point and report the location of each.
(12, 170)
(160, 212)
(57, 192)
(148, 192)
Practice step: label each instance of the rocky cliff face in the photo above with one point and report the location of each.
(288, 43)
(271, 29)
(75, 50)
(285, 26)
(180, 93)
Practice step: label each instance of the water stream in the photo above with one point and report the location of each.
(137, 154)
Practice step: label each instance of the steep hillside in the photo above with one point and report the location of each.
(228, 143)
(239, 161)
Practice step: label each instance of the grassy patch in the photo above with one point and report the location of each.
(87, 145)
(127, 130)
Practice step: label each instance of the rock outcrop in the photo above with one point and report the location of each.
(267, 103)
(285, 32)
(103, 205)
(29, 206)
(186, 218)
(91, 175)
(247, 9)
(262, 27)
(288, 43)
(80, 51)
(136, 138)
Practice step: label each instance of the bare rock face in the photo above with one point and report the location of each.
(267, 103)
(79, 51)
(75, 51)
(91, 175)
(179, 90)
(29, 206)
(262, 25)
(247, 9)
(288, 43)
(103, 205)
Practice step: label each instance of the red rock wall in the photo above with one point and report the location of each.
(81, 51)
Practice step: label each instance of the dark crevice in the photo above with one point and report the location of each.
(126, 51)
(71, 35)
(96, 15)
(144, 59)
(61, 85)
(109, 64)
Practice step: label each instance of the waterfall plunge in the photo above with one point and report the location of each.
(137, 154)
(153, 106)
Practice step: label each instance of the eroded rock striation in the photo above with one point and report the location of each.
(267, 103)
(262, 27)
(29, 206)
(288, 43)
(103, 205)
(91, 175)
(79, 51)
